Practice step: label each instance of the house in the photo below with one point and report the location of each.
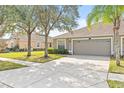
(37, 41)
(97, 41)
(3, 44)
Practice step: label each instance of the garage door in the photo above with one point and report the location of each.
(100, 47)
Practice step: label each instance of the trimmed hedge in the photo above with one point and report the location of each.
(57, 51)
(51, 50)
(23, 49)
(4, 51)
(15, 48)
(37, 49)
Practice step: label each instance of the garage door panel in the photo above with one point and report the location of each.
(92, 47)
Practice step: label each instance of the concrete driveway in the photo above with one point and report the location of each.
(68, 72)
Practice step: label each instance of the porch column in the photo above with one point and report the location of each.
(121, 46)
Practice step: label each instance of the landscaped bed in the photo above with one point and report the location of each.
(9, 65)
(115, 84)
(113, 68)
(36, 56)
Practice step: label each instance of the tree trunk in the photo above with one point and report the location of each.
(17, 42)
(46, 46)
(114, 44)
(117, 47)
(29, 45)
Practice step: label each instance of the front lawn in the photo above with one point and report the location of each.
(115, 84)
(113, 68)
(37, 56)
(9, 65)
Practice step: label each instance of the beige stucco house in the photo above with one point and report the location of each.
(3, 44)
(37, 41)
(97, 41)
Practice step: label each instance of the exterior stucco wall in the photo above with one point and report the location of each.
(3, 44)
(55, 43)
(22, 41)
(123, 46)
(68, 44)
(23, 44)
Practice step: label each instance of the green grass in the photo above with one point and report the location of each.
(9, 65)
(115, 84)
(37, 56)
(113, 68)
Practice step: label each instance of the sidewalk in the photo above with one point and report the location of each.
(20, 62)
(118, 77)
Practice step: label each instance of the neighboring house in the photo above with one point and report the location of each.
(3, 44)
(37, 41)
(98, 41)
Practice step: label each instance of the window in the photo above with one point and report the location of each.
(50, 45)
(61, 44)
(38, 44)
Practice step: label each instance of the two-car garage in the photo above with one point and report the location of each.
(98, 47)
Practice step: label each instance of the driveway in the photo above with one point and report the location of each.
(68, 72)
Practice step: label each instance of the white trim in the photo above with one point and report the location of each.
(122, 37)
(93, 38)
(81, 39)
(64, 42)
(72, 47)
(112, 46)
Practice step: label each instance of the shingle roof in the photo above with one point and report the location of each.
(96, 30)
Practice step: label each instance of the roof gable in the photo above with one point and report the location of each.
(96, 30)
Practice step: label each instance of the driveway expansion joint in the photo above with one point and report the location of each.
(6, 85)
(96, 84)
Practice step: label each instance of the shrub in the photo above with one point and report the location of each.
(51, 50)
(57, 51)
(9, 49)
(15, 48)
(62, 51)
(37, 49)
(4, 51)
(23, 49)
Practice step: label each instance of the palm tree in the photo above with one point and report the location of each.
(108, 14)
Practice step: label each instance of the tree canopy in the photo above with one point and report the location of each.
(105, 14)
(57, 17)
(25, 18)
(6, 17)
